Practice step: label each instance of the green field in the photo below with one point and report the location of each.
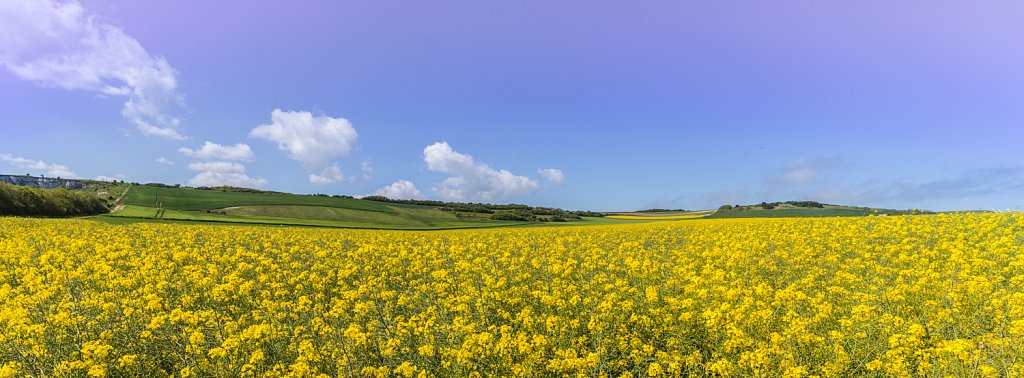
(756, 211)
(188, 205)
(789, 211)
(146, 203)
(189, 199)
(792, 213)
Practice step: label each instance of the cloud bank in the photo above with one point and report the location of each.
(118, 177)
(58, 45)
(821, 180)
(471, 180)
(312, 140)
(210, 150)
(219, 166)
(48, 169)
(973, 183)
(218, 173)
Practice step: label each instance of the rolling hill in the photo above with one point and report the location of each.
(163, 203)
(160, 203)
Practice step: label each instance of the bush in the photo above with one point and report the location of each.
(22, 200)
(515, 215)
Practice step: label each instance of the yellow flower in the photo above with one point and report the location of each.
(406, 369)
(655, 370)
(217, 352)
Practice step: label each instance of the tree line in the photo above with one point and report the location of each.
(29, 201)
(772, 205)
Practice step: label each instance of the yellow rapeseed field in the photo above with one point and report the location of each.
(936, 295)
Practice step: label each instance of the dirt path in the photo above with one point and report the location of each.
(120, 206)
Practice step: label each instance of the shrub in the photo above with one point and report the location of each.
(23, 200)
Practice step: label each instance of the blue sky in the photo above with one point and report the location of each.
(580, 105)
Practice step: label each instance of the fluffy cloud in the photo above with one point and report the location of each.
(214, 151)
(312, 140)
(49, 169)
(218, 173)
(401, 189)
(471, 180)
(552, 175)
(163, 160)
(60, 45)
(218, 169)
(329, 175)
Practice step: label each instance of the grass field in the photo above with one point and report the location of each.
(147, 203)
(783, 211)
(189, 199)
(191, 205)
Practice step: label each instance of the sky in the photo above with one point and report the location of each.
(595, 105)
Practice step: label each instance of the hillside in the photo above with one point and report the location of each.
(787, 209)
(160, 203)
(188, 204)
(803, 209)
(163, 203)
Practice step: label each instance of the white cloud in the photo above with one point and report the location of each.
(109, 178)
(471, 180)
(214, 151)
(49, 169)
(801, 171)
(59, 45)
(401, 189)
(217, 169)
(313, 141)
(163, 160)
(329, 175)
(218, 173)
(552, 175)
(219, 166)
(367, 169)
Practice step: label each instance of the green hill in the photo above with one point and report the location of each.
(788, 209)
(153, 203)
(163, 203)
(803, 209)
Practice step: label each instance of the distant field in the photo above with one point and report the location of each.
(794, 213)
(661, 215)
(756, 211)
(191, 205)
(197, 200)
